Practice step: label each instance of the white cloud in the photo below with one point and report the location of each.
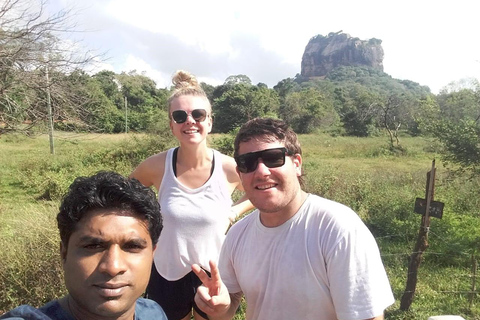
(193, 22)
(426, 41)
(133, 63)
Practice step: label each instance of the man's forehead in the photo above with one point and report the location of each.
(258, 144)
(113, 216)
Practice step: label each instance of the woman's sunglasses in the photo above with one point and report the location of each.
(272, 158)
(180, 116)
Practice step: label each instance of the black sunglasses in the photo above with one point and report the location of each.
(180, 116)
(272, 158)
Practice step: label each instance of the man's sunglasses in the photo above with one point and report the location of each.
(180, 116)
(272, 158)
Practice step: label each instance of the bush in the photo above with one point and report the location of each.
(224, 143)
(127, 155)
(30, 270)
(49, 178)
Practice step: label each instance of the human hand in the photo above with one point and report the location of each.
(212, 296)
(232, 216)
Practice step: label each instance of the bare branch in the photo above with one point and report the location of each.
(30, 43)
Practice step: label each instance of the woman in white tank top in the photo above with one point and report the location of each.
(194, 185)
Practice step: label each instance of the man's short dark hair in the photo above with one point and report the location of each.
(104, 191)
(269, 130)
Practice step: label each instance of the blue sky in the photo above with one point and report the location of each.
(429, 42)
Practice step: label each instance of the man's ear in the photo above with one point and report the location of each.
(297, 161)
(63, 251)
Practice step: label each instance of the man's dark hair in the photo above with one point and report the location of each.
(269, 130)
(104, 191)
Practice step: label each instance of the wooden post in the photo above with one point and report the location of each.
(474, 274)
(126, 114)
(49, 113)
(420, 246)
(429, 193)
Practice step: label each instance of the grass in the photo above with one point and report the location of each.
(379, 183)
(30, 270)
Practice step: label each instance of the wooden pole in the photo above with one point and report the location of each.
(420, 246)
(126, 114)
(429, 194)
(49, 113)
(474, 274)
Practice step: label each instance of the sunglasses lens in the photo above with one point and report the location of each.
(199, 114)
(251, 162)
(247, 162)
(272, 158)
(179, 116)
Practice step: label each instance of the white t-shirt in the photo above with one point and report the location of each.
(194, 221)
(323, 263)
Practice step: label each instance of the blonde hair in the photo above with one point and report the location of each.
(186, 84)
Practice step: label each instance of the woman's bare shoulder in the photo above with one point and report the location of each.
(228, 162)
(150, 171)
(230, 168)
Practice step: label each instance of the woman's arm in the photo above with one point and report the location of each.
(150, 171)
(240, 207)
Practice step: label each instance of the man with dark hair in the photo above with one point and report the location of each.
(109, 226)
(298, 256)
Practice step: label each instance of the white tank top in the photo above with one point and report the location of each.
(194, 221)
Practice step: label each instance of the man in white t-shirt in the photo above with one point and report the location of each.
(298, 256)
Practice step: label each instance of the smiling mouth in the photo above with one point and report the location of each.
(266, 186)
(190, 131)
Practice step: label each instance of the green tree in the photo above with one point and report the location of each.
(395, 113)
(110, 86)
(286, 86)
(456, 124)
(209, 89)
(242, 102)
(237, 79)
(146, 105)
(141, 91)
(461, 141)
(308, 110)
(359, 110)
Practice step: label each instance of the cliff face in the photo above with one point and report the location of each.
(322, 54)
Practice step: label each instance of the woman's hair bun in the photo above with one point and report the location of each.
(184, 79)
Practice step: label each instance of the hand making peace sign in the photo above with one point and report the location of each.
(212, 296)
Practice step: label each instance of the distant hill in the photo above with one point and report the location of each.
(343, 60)
(323, 54)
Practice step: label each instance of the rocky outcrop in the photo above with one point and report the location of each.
(323, 54)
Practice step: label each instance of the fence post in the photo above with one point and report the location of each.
(474, 275)
(420, 246)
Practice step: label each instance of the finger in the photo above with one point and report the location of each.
(215, 279)
(215, 273)
(202, 300)
(203, 294)
(201, 274)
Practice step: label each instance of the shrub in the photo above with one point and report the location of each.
(49, 178)
(30, 270)
(224, 143)
(125, 156)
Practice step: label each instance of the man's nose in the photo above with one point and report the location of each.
(262, 168)
(113, 261)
